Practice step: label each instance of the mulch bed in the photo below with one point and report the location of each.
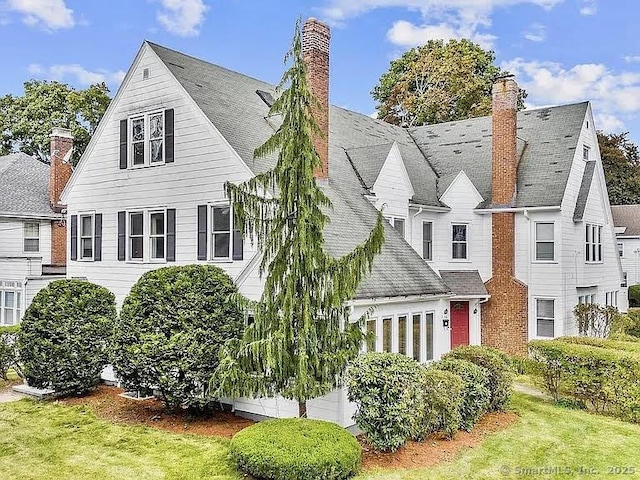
(107, 405)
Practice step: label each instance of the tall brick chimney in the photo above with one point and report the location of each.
(61, 148)
(505, 315)
(315, 49)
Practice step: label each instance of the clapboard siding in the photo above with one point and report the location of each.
(631, 259)
(203, 163)
(12, 235)
(393, 188)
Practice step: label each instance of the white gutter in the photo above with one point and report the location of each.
(391, 300)
(428, 208)
(485, 211)
(44, 216)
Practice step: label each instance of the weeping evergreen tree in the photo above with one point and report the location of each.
(301, 339)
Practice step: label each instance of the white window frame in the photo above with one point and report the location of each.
(625, 279)
(25, 237)
(16, 288)
(593, 249)
(553, 242)
(211, 232)
(465, 242)
(146, 235)
(621, 249)
(79, 255)
(129, 237)
(147, 139)
(538, 317)
(428, 257)
(586, 153)
(396, 333)
(151, 236)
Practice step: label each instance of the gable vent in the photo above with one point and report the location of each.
(266, 97)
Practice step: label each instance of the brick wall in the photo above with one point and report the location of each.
(316, 37)
(505, 315)
(58, 243)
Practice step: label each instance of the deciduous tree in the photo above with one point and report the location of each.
(621, 163)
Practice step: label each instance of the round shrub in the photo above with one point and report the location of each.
(476, 396)
(170, 329)
(387, 390)
(296, 449)
(498, 366)
(634, 295)
(440, 404)
(64, 335)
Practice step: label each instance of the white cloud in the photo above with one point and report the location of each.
(50, 14)
(77, 73)
(536, 33)
(632, 58)
(615, 95)
(589, 7)
(182, 17)
(440, 19)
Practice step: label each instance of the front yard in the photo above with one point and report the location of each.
(52, 440)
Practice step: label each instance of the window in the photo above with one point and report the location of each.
(544, 242)
(157, 236)
(429, 335)
(147, 139)
(31, 237)
(221, 231)
(585, 152)
(593, 243)
(416, 336)
(371, 335)
(386, 334)
(621, 249)
(544, 318)
(136, 235)
(402, 334)
(10, 302)
(397, 223)
(427, 240)
(611, 299)
(459, 241)
(86, 237)
(624, 279)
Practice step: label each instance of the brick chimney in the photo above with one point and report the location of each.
(505, 315)
(315, 49)
(59, 173)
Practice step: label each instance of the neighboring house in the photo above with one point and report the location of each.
(151, 185)
(32, 225)
(626, 219)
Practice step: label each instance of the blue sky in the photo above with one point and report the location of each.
(561, 51)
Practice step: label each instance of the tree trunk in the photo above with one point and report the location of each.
(302, 409)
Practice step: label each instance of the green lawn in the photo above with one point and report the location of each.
(53, 441)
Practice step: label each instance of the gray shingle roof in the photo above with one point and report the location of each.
(583, 194)
(24, 186)
(230, 101)
(627, 216)
(464, 282)
(368, 161)
(547, 139)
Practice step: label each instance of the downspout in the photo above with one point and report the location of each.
(525, 212)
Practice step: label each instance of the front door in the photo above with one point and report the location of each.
(459, 323)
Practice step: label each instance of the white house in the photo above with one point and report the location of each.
(148, 192)
(626, 219)
(32, 225)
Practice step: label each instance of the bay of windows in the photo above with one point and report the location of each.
(410, 335)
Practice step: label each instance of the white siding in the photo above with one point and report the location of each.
(203, 163)
(12, 243)
(631, 259)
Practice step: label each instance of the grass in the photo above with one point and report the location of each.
(53, 441)
(546, 436)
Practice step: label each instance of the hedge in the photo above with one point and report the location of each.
(604, 379)
(440, 403)
(170, 330)
(634, 295)
(498, 365)
(476, 395)
(64, 335)
(296, 449)
(8, 350)
(615, 342)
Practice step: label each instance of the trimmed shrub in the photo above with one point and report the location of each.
(296, 449)
(64, 335)
(606, 379)
(8, 350)
(633, 324)
(499, 370)
(387, 388)
(170, 329)
(634, 295)
(441, 403)
(616, 344)
(476, 396)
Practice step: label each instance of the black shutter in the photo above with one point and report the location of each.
(171, 234)
(122, 235)
(168, 135)
(202, 232)
(238, 245)
(97, 238)
(124, 140)
(74, 237)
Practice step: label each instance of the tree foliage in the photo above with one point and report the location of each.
(301, 339)
(26, 121)
(438, 82)
(621, 163)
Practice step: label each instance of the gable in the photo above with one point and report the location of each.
(461, 190)
(393, 183)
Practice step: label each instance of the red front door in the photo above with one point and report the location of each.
(459, 323)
